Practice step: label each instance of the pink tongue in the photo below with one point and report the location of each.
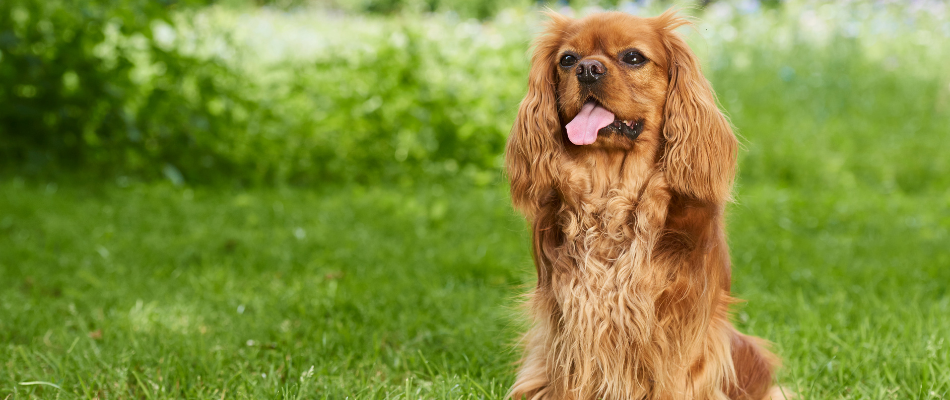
(583, 128)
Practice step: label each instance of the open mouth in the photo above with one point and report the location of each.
(593, 120)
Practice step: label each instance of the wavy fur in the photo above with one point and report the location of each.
(629, 244)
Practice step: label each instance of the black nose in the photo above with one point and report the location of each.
(589, 71)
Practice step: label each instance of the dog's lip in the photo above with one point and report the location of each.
(629, 128)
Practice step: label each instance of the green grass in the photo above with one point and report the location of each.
(153, 291)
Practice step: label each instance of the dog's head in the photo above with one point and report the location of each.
(613, 82)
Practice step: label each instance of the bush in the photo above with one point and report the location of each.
(86, 86)
(309, 97)
(137, 93)
(380, 99)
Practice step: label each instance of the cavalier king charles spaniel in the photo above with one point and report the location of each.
(623, 164)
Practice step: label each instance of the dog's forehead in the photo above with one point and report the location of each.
(612, 32)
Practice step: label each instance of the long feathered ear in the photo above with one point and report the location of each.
(700, 152)
(535, 143)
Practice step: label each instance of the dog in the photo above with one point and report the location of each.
(622, 163)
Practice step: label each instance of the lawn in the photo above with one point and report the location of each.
(156, 291)
(134, 286)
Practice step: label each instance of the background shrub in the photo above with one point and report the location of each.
(87, 86)
(141, 93)
(152, 90)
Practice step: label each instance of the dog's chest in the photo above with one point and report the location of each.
(605, 293)
(603, 276)
(598, 234)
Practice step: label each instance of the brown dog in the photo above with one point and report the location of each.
(623, 164)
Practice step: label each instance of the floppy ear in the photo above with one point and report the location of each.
(534, 145)
(700, 152)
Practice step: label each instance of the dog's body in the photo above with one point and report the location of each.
(623, 164)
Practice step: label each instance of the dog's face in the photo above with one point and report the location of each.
(608, 87)
(611, 65)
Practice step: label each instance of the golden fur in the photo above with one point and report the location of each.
(632, 299)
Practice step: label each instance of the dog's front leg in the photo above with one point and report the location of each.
(532, 382)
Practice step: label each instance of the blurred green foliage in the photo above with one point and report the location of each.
(87, 86)
(407, 99)
(836, 97)
(148, 90)
(120, 89)
(475, 9)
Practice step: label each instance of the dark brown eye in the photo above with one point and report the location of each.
(634, 58)
(568, 60)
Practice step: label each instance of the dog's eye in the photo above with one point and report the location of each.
(568, 60)
(634, 58)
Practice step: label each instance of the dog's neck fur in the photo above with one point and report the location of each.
(612, 335)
